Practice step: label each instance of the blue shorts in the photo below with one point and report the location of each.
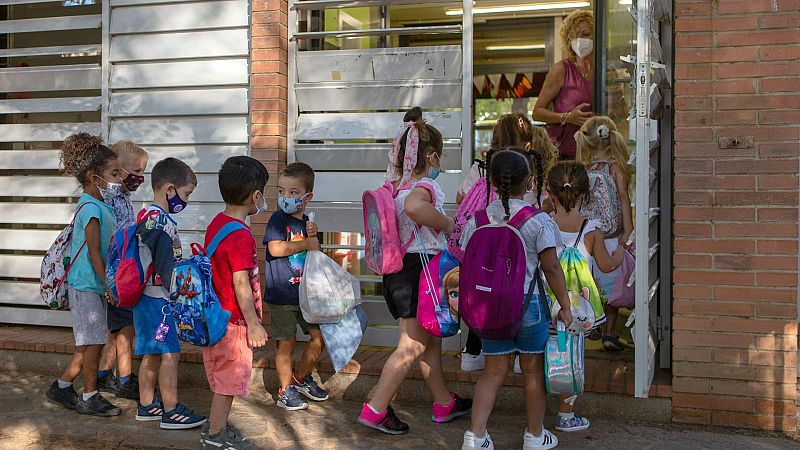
(532, 338)
(147, 316)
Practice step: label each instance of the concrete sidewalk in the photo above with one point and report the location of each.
(27, 420)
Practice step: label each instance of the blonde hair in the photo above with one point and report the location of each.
(129, 150)
(592, 138)
(541, 141)
(569, 26)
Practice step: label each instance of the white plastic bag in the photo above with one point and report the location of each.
(327, 291)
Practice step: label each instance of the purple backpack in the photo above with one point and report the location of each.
(492, 297)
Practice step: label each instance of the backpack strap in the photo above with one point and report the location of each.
(481, 218)
(523, 215)
(223, 232)
(580, 233)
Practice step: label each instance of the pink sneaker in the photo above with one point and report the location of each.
(458, 407)
(386, 422)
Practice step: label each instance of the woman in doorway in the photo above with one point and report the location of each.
(568, 86)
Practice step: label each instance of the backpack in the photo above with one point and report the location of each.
(563, 362)
(585, 303)
(474, 201)
(383, 251)
(199, 317)
(604, 205)
(56, 264)
(129, 265)
(492, 296)
(437, 310)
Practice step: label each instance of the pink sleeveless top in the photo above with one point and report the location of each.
(575, 90)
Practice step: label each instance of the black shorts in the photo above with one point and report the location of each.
(401, 289)
(118, 318)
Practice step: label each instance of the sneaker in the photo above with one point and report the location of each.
(612, 344)
(458, 407)
(129, 389)
(107, 384)
(388, 422)
(153, 411)
(544, 442)
(181, 418)
(308, 387)
(595, 335)
(229, 438)
(517, 366)
(291, 400)
(472, 363)
(574, 423)
(472, 442)
(96, 405)
(66, 397)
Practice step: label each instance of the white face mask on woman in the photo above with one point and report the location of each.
(582, 47)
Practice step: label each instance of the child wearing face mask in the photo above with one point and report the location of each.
(97, 169)
(288, 236)
(173, 182)
(234, 264)
(133, 161)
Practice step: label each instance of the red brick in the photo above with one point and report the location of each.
(778, 150)
(693, 230)
(702, 198)
(785, 374)
(691, 9)
(777, 247)
(268, 117)
(776, 408)
(735, 117)
(693, 165)
(776, 279)
(697, 355)
(684, 40)
(692, 103)
(777, 311)
(755, 198)
(269, 5)
(714, 246)
(779, 21)
(759, 133)
(752, 6)
(685, 150)
(754, 389)
(755, 102)
(271, 66)
(695, 119)
(759, 69)
(690, 324)
(690, 415)
(749, 262)
(756, 230)
(745, 294)
(681, 306)
(735, 419)
(689, 261)
(713, 277)
(728, 183)
(695, 292)
(740, 404)
(757, 326)
(693, 24)
(778, 214)
(269, 92)
(754, 357)
(779, 53)
(271, 142)
(780, 84)
(778, 117)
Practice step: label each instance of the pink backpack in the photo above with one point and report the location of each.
(437, 304)
(474, 201)
(492, 297)
(383, 250)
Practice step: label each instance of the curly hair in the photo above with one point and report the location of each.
(568, 182)
(511, 130)
(567, 32)
(82, 153)
(542, 142)
(508, 175)
(430, 141)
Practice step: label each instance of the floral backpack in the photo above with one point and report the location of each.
(604, 205)
(56, 265)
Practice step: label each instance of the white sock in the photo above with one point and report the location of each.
(373, 409)
(63, 384)
(568, 415)
(88, 395)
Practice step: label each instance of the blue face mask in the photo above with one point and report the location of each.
(176, 203)
(291, 205)
(434, 172)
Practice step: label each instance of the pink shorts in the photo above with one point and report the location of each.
(229, 363)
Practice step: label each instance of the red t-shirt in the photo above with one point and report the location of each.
(235, 253)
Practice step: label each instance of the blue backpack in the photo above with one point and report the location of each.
(199, 317)
(128, 265)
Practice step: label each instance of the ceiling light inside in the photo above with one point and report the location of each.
(515, 47)
(519, 8)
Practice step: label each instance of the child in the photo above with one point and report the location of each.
(133, 160)
(288, 236)
(602, 149)
(415, 158)
(173, 182)
(510, 175)
(229, 362)
(97, 169)
(568, 185)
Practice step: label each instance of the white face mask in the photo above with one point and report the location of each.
(582, 47)
(264, 207)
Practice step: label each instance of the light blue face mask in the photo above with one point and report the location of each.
(264, 207)
(291, 205)
(434, 172)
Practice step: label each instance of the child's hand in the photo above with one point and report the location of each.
(256, 336)
(618, 256)
(312, 243)
(565, 315)
(451, 226)
(311, 229)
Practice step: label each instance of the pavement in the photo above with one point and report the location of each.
(29, 421)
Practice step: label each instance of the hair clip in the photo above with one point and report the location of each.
(567, 185)
(603, 132)
(521, 123)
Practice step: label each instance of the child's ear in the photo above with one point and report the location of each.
(310, 197)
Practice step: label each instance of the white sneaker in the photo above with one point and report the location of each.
(517, 367)
(471, 363)
(546, 441)
(472, 442)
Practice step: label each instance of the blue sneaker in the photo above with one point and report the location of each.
(308, 387)
(291, 400)
(574, 423)
(181, 418)
(147, 413)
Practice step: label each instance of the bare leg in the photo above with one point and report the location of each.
(74, 367)
(283, 361)
(168, 380)
(430, 363)
(124, 341)
(564, 407)
(147, 378)
(494, 373)
(91, 358)
(109, 353)
(220, 409)
(310, 354)
(611, 315)
(535, 395)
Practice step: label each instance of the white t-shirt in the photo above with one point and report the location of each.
(430, 241)
(538, 234)
(474, 175)
(568, 238)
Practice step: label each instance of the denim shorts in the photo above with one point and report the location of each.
(532, 337)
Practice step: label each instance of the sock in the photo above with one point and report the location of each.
(374, 410)
(103, 374)
(123, 380)
(63, 384)
(452, 399)
(88, 395)
(568, 415)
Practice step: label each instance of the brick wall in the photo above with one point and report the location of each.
(736, 217)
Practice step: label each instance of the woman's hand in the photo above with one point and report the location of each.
(578, 116)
